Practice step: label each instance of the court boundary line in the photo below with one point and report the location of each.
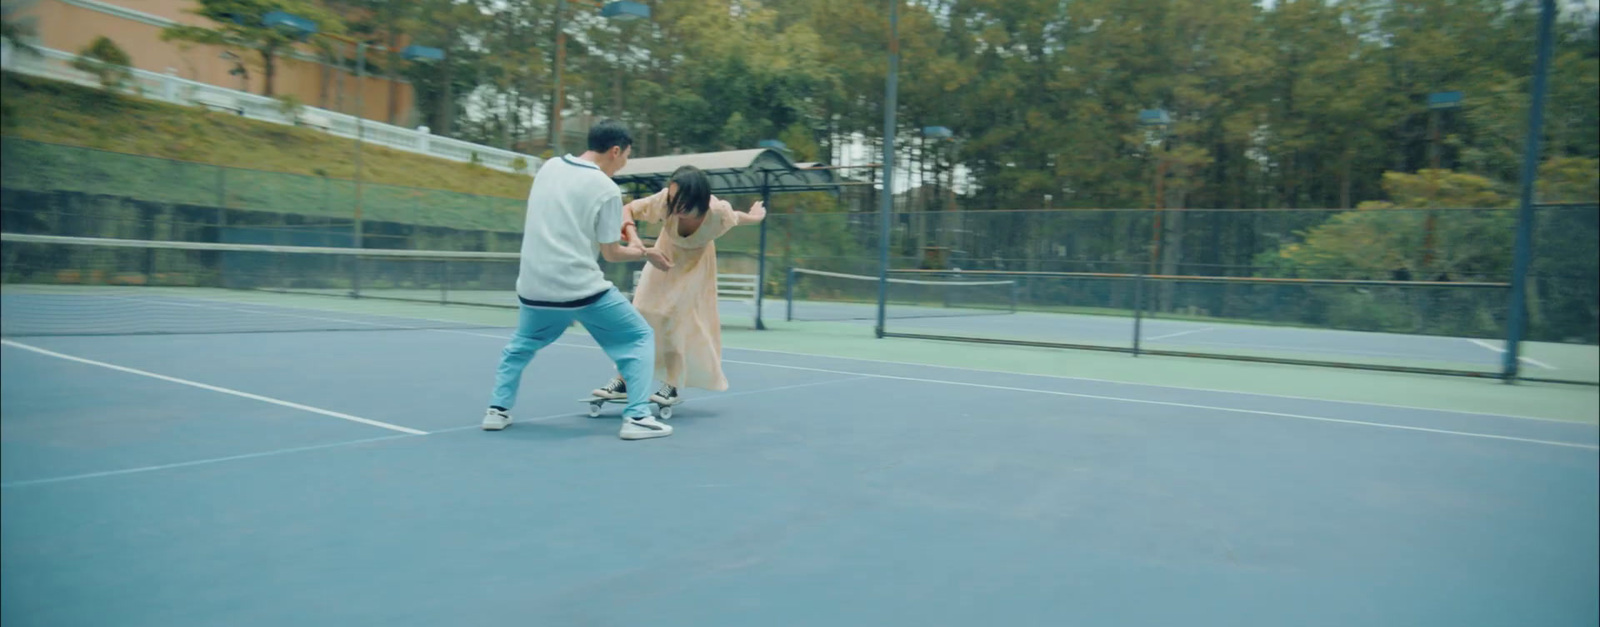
(1088, 379)
(1502, 351)
(315, 447)
(1179, 334)
(1237, 410)
(1006, 372)
(1167, 387)
(198, 462)
(213, 388)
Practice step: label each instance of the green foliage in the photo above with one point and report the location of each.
(107, 61)
(284, 157)
(1570, 180)
(237, 26)
(1441, 225)
(1471, 233)
(17, 29)
(290, 106)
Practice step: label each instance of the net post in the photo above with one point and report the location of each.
(222, 203)
(891, 89)
(1138, 310)
(1516, 321)
(761, 259)
(788, 296)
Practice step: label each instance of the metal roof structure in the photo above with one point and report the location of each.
(755, 171)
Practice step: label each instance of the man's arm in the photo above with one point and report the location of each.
(618, 252)
(608, 228)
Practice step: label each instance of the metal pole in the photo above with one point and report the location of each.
(557, 98)
(1430, 221)
(1138, 311)
(361, 79)
(761, 259)
(1160, 210)
(1523, 249)
(788, 296)
(222, 202)
(887, 207)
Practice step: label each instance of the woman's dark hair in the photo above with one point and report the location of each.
(694, 191)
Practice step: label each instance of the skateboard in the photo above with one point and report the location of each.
(663, 411)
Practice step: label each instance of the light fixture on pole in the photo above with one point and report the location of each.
(1160, 120)
(1437, 102)
(621, 11)
(304, 28)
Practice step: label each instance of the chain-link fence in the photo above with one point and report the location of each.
(1399, 273)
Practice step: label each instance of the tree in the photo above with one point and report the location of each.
(18, 30)
(107, 61)
(239, 27)
(453, 27)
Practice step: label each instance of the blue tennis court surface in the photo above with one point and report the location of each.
(339, 478)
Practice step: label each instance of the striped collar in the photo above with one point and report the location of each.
(579, 162)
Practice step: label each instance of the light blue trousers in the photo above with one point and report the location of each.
(612, 321)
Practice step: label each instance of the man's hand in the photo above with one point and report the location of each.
(618, 252)
(658, 258)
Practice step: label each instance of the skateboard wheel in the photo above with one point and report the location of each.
(666, 413)
(594, 409)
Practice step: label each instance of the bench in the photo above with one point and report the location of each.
(739, 288)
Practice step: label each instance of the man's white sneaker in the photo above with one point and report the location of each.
(495, 420)
(644, 428)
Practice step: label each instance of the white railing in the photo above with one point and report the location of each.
(55, 64)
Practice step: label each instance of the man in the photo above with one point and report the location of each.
(574, 213)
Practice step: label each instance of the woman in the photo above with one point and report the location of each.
(681, 304)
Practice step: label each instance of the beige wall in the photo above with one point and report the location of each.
(69, 28)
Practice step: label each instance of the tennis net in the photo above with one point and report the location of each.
(821, 295)
(56, 285)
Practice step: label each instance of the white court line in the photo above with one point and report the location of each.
(261, 312)
(1180, 333)
(1159, 386)
(1184, 405)
(198, 462)
(346, 320)
(1115, 382)
(705, 399)
(1236, 410)
(213, 388)
(506, 336)
(1502, 351)
(218, 460)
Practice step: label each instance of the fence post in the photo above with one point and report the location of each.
(169, 85)
(1138, 310)
(761, 260)
(788, 296)
(222, 202)
(1522, 249)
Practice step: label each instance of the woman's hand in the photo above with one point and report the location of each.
(658, 258)
(758, 211)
